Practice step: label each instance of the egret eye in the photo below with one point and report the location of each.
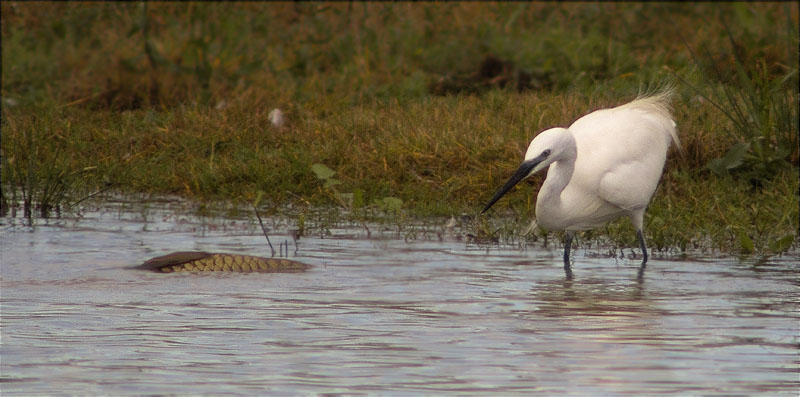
(546, 153)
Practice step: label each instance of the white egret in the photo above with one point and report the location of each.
(604, 166)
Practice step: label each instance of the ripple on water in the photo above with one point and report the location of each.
(378, 315)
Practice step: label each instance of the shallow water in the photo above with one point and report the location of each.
(378, 315)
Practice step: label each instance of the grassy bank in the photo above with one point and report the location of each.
(425, 108)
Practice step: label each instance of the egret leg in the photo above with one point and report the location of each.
(644, 254)
(567, 245)
(643, 246)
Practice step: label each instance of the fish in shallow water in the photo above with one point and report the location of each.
(199, 261)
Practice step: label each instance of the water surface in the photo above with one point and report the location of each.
(378, 315)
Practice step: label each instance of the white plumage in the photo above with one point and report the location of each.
(605, 165)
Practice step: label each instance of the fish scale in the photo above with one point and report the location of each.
(195, 261)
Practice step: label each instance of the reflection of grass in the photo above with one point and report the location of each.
(175, 99)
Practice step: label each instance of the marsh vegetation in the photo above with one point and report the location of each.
(413, 110)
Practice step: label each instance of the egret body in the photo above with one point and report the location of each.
(604, 166)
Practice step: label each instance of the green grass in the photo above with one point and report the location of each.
(174, 98)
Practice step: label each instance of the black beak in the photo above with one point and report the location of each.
(522, 172)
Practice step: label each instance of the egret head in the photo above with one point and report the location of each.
(549, 146)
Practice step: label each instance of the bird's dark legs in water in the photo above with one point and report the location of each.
(567, 244)
(644, 255)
